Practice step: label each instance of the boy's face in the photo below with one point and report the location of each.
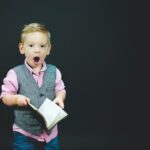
(35, 47)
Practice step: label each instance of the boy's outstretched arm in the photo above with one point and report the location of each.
(60, 97)
(19, 100)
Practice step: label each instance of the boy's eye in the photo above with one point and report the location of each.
(42, 46)
(30, 45)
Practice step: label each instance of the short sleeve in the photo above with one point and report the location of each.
(10, 84)
(59, 82)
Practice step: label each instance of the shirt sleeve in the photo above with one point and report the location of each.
(59, 82)
(10, 84)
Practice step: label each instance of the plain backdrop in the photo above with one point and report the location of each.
(96, 44)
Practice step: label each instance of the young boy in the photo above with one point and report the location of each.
(33, 81)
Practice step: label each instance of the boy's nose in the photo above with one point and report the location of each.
(37, 49)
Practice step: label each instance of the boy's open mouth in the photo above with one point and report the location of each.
(36, 59)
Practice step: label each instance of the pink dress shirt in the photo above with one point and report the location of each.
(10, 85)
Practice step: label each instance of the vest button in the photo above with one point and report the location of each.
(41, 94)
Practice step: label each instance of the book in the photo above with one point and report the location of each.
(51, 113)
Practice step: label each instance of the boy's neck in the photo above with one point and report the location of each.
(37, 70)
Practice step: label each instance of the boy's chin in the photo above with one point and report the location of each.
(37, 64)
(34, 65)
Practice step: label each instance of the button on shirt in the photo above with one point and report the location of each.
(10, 85)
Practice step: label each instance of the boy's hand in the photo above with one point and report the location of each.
(59, 101)
(22, 100)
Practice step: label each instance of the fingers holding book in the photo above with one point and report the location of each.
(22, 100)
(59, 101)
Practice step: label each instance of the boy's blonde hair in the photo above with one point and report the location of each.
(34, 27)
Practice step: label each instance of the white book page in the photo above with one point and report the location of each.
(51, 112)
(59, 117)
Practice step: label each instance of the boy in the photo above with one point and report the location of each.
(33, 81)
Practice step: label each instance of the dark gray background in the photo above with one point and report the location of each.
(97, 45)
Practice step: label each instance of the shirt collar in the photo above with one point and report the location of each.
(31, 70)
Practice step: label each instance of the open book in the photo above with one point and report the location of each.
(50, 112)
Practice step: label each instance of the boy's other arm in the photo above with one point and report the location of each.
(60, 97)
(9, 90)
(59, 90)
(19, 100)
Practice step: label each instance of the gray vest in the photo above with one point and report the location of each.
(26, 118)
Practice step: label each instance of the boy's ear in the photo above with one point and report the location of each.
(49, 49)
(21, 49)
